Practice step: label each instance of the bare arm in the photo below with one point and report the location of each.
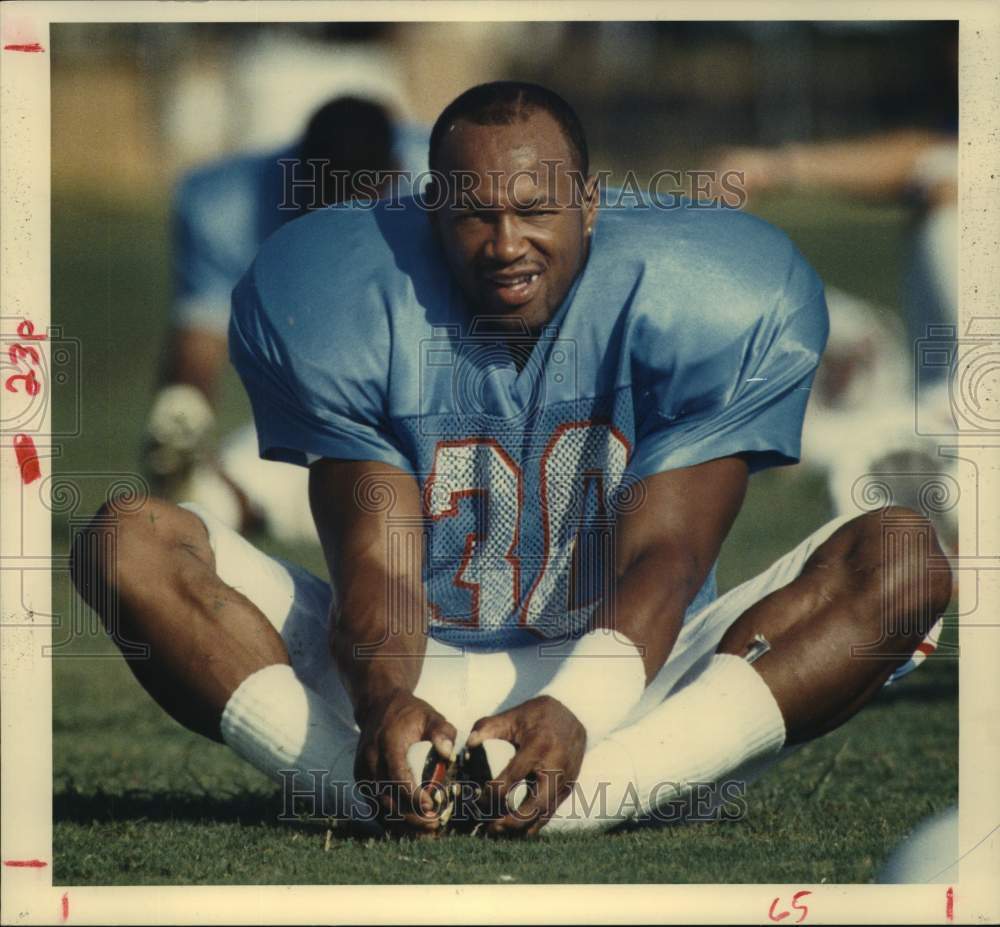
(876, 166)
(369, 520)
(665, 549)
(380, 635)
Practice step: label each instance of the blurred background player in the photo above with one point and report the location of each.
(221, 214)
(860, 426)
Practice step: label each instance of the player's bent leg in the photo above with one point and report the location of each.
(218, 660)
(150, 575)
(840, 612)
(862, 604)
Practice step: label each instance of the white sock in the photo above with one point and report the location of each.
(277, 724)
(725, 718)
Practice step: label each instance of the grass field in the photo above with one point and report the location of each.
(139, 800)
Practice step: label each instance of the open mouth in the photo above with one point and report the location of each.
(515, 290)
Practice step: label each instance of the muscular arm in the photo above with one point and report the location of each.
(369, 520)
(665, 549)
(380, 635)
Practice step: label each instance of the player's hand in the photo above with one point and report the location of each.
(177, 436)
(389, 728)
(550, 744)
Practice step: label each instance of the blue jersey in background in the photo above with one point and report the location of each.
(224, 211)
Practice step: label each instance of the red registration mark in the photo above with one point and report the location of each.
(25, 355)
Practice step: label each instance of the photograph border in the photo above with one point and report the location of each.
(28, 896)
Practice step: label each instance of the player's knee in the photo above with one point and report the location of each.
(92, 559)
(905, 575)
(940, 584)
(97, 551)
(119, 547)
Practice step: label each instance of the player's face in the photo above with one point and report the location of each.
(519, 235)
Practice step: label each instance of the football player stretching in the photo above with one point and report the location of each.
(529, 421)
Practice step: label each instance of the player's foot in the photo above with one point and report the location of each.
(457, 786)
(476, 767)
(436, 775)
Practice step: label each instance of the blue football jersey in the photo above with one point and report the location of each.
(222, 212)
(691, 334)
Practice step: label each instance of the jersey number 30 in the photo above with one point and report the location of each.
(580, 458)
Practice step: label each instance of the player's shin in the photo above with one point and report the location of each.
(725, 720)
(599, 706)
(286, 731)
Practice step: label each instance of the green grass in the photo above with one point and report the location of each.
(139, 800)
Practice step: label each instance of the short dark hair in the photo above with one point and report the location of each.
(503, 102)
(352, 134)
